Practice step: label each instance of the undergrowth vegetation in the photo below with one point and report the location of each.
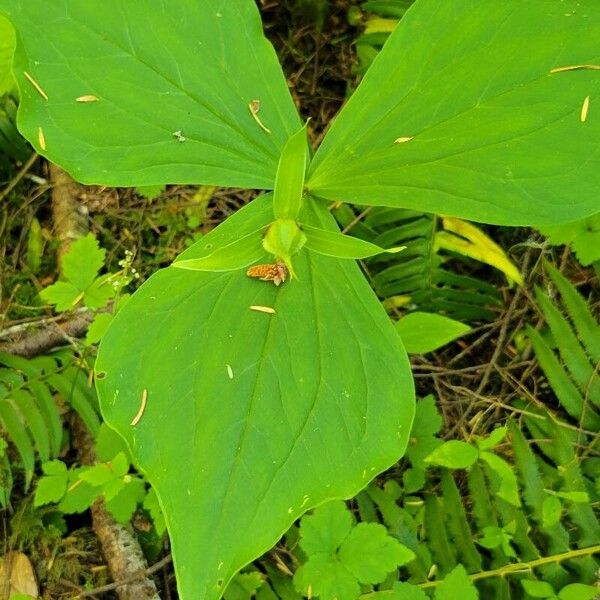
(244, 416)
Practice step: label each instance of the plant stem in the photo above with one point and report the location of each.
(523, 566)
(519, 567)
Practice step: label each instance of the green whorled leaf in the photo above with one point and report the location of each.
(240, 253)
(289, 181)
(425, 332)
(178, 88)
(7, 47)
(474, 125)
(268, 414)
(338, 245)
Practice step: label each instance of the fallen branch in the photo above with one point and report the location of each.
(51, 335)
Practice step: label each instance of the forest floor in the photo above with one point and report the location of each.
(475, 380)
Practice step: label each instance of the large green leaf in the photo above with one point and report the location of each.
(7, 46)
(252, 418)
(460, 115)
(175, 83)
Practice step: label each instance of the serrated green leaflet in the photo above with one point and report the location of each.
(263, 434)
(171, 90)
(460, 115)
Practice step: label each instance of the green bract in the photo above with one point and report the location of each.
(244, 403)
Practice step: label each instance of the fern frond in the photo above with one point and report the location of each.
(572, 369)
(29, 415)
(419, 276)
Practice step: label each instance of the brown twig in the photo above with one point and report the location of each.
(52, 335)
(15, 180)
(109, 587)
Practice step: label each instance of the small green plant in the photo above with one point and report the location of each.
(570, 355)
(422, 277)
(280, 397)
(341, 556)
(582, 236)
(29, 414)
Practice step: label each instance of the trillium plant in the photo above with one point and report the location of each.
(247, 403)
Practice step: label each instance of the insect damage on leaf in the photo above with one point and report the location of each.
(41, 138)
(264, 309)
(87, 98)
(36, 85)
(585, 109)
(141, 409)
(402, 140)
(276, 272)
(575, 68)
(178, 135)
(254, 108)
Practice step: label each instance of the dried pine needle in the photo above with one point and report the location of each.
(575, 68)
(585, 109)
(403, 140)
(41, 138)
(264, 309)
(36, 85)
(141, 410)
(254, 108)
(88, 98)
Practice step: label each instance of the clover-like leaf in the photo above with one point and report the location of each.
(327, 578)
(369, 553)
(53, 485)
(456, 585)
(62, 294)
(82, 263)
(583, 236)
(326, 529)
(244, 586)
